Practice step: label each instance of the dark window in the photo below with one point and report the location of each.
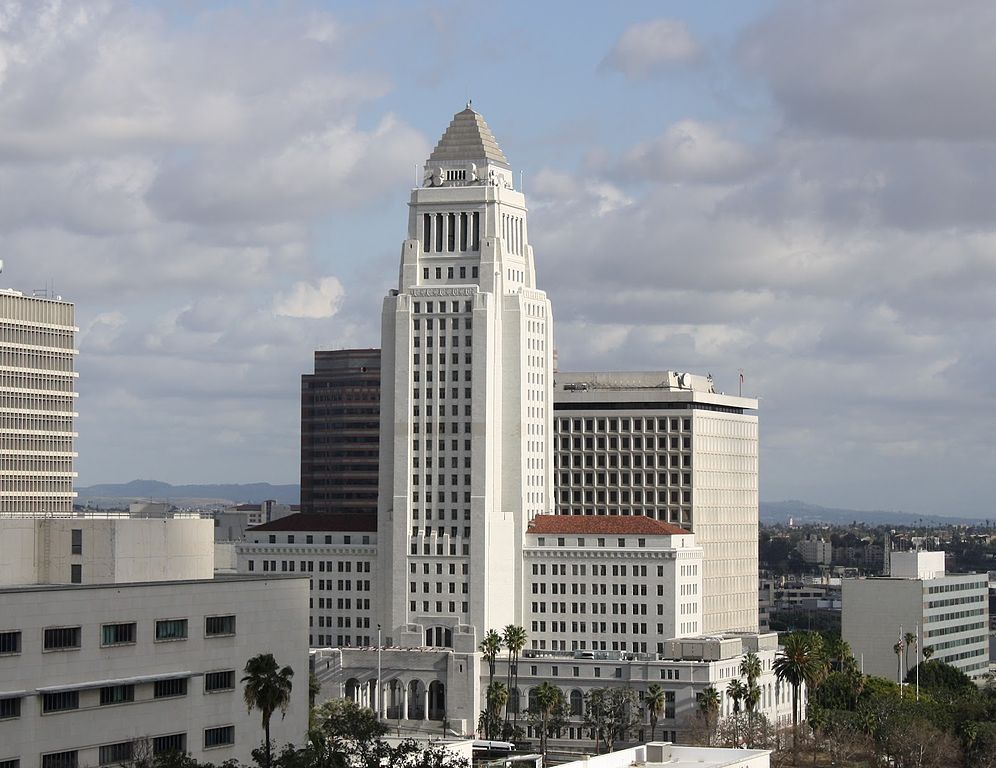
(219, 625)
(61, 701)
(175, 742)
(75, 574)
(165, 689)
(117, 634)
(171, 629)
(61, 760)
(77, 541)
(10, 642)
(116, 694)
(216, 737)
(110, 754)
(61, 638)
(219, 681)
(15, 763)
(10, 708)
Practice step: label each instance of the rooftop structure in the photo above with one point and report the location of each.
(666, 755)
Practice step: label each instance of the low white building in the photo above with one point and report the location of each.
(666, 755)
(595, 582)
(95, 672)
(338, 553)
(949, 611)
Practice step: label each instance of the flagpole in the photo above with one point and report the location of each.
(918, 645)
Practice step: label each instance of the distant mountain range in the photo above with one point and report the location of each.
(154, 490)
(772, 512)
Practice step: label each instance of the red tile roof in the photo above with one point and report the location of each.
(317, 521)
(606, 524)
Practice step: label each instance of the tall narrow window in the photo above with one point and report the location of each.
(477, 232)
(463, 231)
(450, 232)
(77, 541)
(439, 232)
(426, 232)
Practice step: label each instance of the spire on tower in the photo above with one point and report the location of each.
(468, 140)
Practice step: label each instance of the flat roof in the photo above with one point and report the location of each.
(218, 578)
(318, 521)
(611, 524)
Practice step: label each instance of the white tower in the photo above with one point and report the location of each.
(466, 401)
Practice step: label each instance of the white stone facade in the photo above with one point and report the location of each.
(666, 445)
(949, 611)
(88, 671)
(338, 553)
(610, 584)
(37, 405)
(104, 551)
(466, 399)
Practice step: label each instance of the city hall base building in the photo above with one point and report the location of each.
(612, 516)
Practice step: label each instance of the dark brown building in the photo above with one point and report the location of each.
(340, 429)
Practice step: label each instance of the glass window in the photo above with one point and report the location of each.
(175, 742)
(10, 642)
(219, 681)
(111, 754)
(219, 625)
(116, 694)
(171, 629)
(61, 760)
(165, 689)
(61, 701)
(216, 737)
(10, 708)
(117, 634)
(61, 638)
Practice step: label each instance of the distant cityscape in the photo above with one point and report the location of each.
(517, 562)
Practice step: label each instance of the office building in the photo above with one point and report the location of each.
(37, 404)
(666, 445)
(466, 396)
(815, 551)
(338, 552)
(140, 650)
(340, 432)
(610, 583)
(950, 613)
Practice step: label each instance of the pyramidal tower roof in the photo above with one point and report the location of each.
(468, 139)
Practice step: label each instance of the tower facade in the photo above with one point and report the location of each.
(340, 430)
(466, 400)
(37, 405)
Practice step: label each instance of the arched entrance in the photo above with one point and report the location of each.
(416, 699)
(437, 700)
(353, 690)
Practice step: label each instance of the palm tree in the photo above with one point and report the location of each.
(267, 688)
(898, 650)
(655, 701)
(750, 667)
(909, 641)
(736, 690)
(928, 651)
(548, 699)
(752, 697)
(490, 647)
(514, 639)
(798, 662)
(839, 653)
(709, 703)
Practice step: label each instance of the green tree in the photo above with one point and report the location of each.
(654, 701)
(610, 714)
(898, 650)
(514, 639)
(490, 721)
(909, 643)
(267, 687)
(549, 712)
(490, 648)
(709, 703)
(799, 661)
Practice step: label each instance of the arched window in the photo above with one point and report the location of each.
(577, 703)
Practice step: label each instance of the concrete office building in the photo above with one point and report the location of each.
(466, 399)
(815, 551)
(950, 611)
(610, 583)
(340, 432)
(667, 446)
(139, 651)
(37, 404)
(338, 552)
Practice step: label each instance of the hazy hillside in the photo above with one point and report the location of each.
(250, 493)
(780, 511)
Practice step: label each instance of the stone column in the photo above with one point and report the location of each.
(425, 700)
(404, 699)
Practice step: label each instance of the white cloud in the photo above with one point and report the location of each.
(689, 150)
(649, 47)
(314, 301)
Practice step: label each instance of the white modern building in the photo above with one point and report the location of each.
(667, 755)
(948, 612)
(144, 653)
(815, 551)
(610, 583)
(466, 398)
(37, 404)
(666, 445)
(338, 553)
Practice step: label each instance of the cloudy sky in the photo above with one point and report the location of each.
(805, 190)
